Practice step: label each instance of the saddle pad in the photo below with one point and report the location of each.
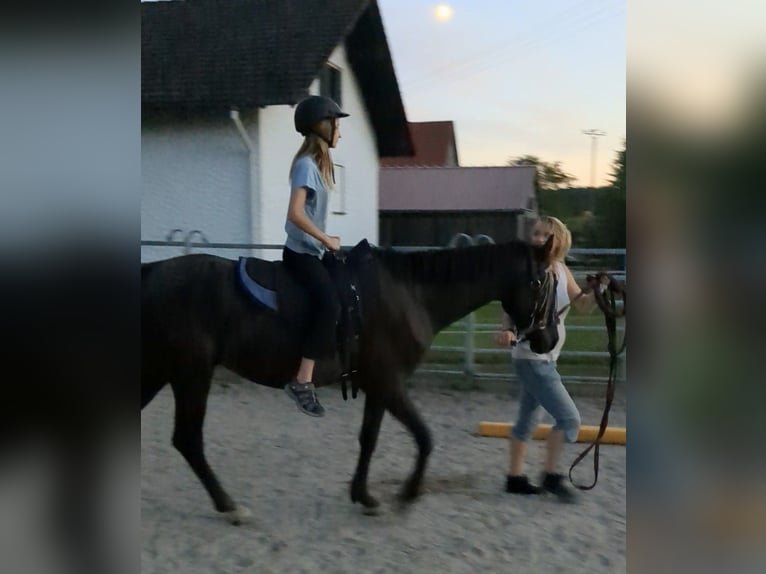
(262, 294)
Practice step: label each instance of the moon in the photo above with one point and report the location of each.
(443, 13)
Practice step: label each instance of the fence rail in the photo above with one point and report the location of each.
(468, 327)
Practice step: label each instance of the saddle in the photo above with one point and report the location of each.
(270, 285)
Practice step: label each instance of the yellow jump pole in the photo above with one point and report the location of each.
(612, 435)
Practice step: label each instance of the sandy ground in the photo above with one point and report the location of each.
(293, 472)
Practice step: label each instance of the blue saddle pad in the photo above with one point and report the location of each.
(260, 293)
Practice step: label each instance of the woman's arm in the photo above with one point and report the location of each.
(296, 215)
(584, 303)
(505, 337)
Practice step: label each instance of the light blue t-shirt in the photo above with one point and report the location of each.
(306, 174)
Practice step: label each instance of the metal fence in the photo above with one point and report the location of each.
(195, 241)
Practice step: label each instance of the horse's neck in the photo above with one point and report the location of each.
(445, 304)
(450, 284)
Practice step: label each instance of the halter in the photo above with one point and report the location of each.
(544, 300)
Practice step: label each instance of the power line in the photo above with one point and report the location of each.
(506, 51)
(495, 48)
(538, 42)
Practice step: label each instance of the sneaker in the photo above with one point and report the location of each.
(304, 395)
(521, 485)
(554, 483)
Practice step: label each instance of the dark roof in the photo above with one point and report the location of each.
(214, 55)
(432, 141)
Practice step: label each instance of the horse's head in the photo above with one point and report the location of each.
(531, 302)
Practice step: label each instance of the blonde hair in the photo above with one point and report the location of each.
(317, 148)
(562, 237)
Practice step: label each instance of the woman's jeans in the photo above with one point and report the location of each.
(541, 386)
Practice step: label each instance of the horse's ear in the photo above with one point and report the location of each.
(543, 253)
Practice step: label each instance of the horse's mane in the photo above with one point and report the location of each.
(453, 265)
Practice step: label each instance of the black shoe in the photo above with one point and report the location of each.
(521, 485)
(305, 397)
(554, 483)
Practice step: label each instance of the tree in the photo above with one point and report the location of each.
(549, 175)
(611, 205)
(618, 170)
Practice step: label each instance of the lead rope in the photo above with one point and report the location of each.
(610, 317)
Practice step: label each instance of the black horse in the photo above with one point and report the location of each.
(195, 316)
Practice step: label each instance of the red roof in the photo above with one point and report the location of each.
(434, 144)
(457, 188)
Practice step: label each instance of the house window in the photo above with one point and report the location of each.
(338, 194)
(329, 83)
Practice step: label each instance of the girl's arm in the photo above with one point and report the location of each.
(296, 215)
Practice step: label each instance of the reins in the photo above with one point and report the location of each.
(607, 304)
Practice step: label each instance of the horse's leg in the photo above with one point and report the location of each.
(191, 403)
(401, 407)
(368, 437)
(150, 386)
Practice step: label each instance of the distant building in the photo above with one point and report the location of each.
(434, 145)
(427, 206)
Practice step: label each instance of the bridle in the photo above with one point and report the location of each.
(545, 297)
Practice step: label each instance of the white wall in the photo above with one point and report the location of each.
(194, 176)
(356, 151)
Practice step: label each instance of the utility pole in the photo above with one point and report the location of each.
(593, 134)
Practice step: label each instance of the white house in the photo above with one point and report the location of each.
(219, 85)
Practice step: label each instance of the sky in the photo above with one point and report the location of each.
(700, 61)
(516, 77)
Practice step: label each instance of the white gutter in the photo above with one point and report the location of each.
(256, 200)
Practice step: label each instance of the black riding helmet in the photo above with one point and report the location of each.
(313, 110)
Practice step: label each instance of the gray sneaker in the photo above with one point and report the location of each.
(305, 397)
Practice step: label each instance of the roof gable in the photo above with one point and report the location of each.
(434, 145)
(214, 55)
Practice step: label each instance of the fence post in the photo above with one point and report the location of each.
(468, 357)
(622, 371)
(469, 368)
(469, 365)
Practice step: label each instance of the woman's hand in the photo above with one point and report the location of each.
(505, 338)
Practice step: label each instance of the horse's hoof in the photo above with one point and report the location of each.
(239, 516)
(360, 495)
(370, 504)
(372, 510)
(408, 494)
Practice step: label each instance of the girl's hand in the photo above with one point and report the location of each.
(332, 243)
